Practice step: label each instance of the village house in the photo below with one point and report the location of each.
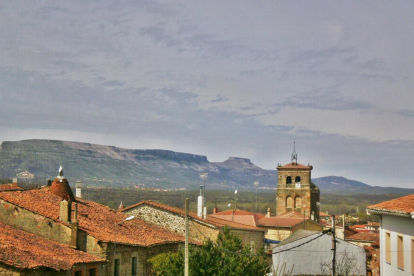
(26, 254)
(396, 235)
(53, 213)
(310, 253)
(277, 228)
(172, 218)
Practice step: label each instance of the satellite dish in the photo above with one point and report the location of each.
(229, 204)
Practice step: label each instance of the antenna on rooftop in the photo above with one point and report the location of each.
(294, 157)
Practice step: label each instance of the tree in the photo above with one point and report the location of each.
(226, 258)
(346, 265)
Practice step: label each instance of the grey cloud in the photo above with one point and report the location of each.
(405, 112)
(220, 99)
(324, 101)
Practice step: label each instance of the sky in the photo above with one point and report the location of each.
(218, 78)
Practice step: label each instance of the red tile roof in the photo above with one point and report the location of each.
(61, 188)
(322, 214)
(95, 219)
(239, 216)
(291, 214)
(369, 237)
(212, 220)
(28, 251)
(402, 206)
(279, 222)
(294, 166)
(9, 187)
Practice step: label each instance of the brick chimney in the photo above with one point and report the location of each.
(65, 210)
(78, 189)
(74, 229)
(215, 210)
(14, 183)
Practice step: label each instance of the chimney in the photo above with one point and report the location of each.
(14, 184)
(200, 203)
(74, 229)
(215, 210)
(268, 212)
(49, 183)
(65, 210)
(78, 189)
(121, 206)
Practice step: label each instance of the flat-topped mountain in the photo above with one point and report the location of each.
(107, 165)
(98, 165)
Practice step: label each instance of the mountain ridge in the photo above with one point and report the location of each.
(100, 165)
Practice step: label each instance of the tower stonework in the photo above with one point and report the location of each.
(296, 192)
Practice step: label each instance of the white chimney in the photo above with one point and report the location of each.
(78, 189)
(200, 203)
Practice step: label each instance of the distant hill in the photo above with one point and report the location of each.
(338, 184)
(97, 165)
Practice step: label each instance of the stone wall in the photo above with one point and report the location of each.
(6, 270)
(174, 222)
(33, 223)
(125, 254)
(278, 234)
(199, 230)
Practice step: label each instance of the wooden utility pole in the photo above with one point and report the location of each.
(186, 239)
(333, 247)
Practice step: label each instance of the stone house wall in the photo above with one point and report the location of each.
(198, 230)
(125, 253)
(33, 223)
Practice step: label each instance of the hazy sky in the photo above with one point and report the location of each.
(218, 78)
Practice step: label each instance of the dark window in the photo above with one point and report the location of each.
(134, 270)
(116, 267)
(297, 179)
(92, 272)
(78, 273)
(288, 180)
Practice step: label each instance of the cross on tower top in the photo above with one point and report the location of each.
(294, 157)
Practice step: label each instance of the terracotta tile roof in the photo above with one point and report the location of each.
(279, 222)
(294, 166)
(9, 187)
(28, 251)
(95, 219)
(215, 221)
(239, 216)
(402, 206)
(357, 226)
(322, 214)
(61, 188)
(369, 236)
(291, 214)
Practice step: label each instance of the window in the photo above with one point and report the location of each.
(116, 267)
(298, 202)
(297, 179)
(400, 252)
(92, 272)
(288, 202)
(134, 268)
(288, 180)
(78, 273)
(253, 247)
(388, 247)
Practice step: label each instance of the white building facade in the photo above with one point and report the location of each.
(396, 235)
(310, 253)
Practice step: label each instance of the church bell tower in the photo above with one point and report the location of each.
(295, 190)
